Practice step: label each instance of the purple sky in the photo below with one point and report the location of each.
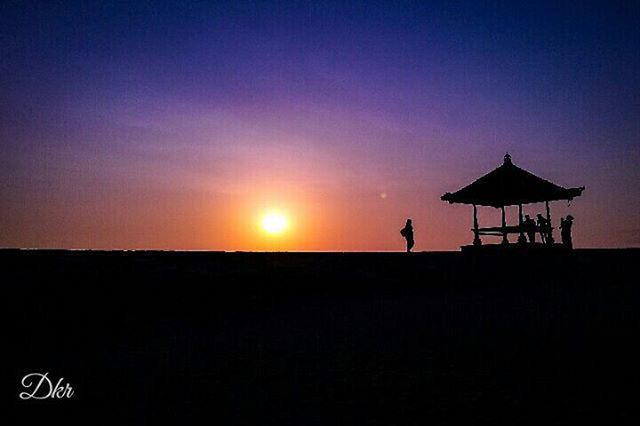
(173, 124)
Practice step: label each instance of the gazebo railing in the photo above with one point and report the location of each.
(512, 229)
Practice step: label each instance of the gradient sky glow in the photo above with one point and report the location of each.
(177, 125)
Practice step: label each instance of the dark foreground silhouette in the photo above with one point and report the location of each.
(317, 339)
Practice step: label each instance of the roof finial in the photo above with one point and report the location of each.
(507, 158)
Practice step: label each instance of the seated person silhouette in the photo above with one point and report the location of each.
(542, 228)
(530, 228)
(565, 231)
(407, 233)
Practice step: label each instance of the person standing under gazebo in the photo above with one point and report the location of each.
(543, 228)
(530, 228)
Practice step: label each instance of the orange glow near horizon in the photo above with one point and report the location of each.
(288, 215)
(283, 217)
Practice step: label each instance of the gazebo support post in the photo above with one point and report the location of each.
(521, 238)
(550, 230)
(504, 228)
(476, 233)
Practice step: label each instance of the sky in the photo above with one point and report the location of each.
(180, 125)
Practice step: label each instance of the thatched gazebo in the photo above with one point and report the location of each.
(509, 185)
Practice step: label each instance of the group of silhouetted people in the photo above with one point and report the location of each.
(543, 227)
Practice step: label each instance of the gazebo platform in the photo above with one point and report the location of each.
(514, 247)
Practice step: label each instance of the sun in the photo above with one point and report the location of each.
(274, 223)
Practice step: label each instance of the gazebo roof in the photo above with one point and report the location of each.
(510, 185)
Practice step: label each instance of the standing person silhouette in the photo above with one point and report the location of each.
(407, 233)
(530, 228)
(543, 228)
(565, 231)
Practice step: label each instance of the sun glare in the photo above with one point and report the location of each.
(274, 223)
